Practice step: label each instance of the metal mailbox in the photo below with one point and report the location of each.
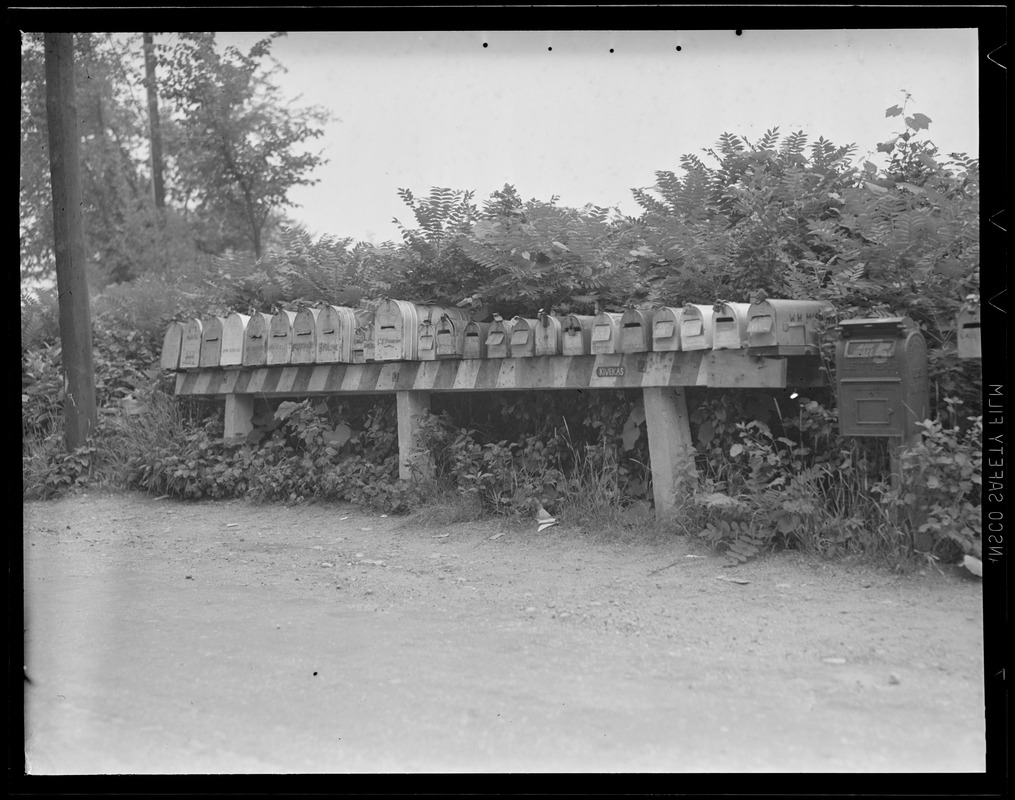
(881, 370)
(450, 337)
(548, 335)
(280, 337)
(426, 343)
(605, 333)
(498, 339)
(211, 341)
(666, 329)
(523, 338)
(304, 346)
(696, 327)
(335, 327)
(729, 326)
(967, 326)
(171, 344)
(233, 331)
(786, 327)
(364, 344)
(576, 335)
(190, 347)
(636, 331)
(255, 340)
(474, 340)
(396, 328)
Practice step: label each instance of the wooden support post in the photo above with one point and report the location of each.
(411, 461)
(671, 451)
(239, 415)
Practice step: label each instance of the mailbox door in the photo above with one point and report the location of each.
(523, 338)
(304, 345)
(190, 349)
(605, 333)
(635, 332)
(498, 340)
(171, 345)
(474, 340)
(548, 338)
(729, 326)
(234, 331)
(255, 340)
(871, 408)
(450, 338)
(576, 335)
(666, 330)
(280, 337)
(396, 327)
(696, 327)
(426, 344)
(333, 335)
(211, 341)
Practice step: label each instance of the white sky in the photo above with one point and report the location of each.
(421, 109)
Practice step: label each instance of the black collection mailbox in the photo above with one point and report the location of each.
(881, 368)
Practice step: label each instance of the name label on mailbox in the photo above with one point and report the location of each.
(610, 372)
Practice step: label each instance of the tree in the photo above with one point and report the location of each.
(122, 237)
(235, 146)
(80, 414)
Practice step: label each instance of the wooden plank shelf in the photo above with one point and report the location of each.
(727, 369)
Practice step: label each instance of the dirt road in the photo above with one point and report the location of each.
(165, 637)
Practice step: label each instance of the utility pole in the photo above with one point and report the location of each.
(69, 240)
(155, 129)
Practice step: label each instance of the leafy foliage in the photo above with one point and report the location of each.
(235, 147)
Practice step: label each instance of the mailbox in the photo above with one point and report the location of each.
(211, 341)
(576, 335)
(334, 334)
(426, 343)
(364, 344)
(523, 338)
(729, 326)
(280, 337)
(498, 339)
(233, 331)
(171, 344)
(474, 344)
(304, 347)
(666, 330)
(396, 328)
(255, 340)
(450, 337)
(606, 333)
(548, 335)
(968, 329)
(786, 327)
(190, 347)
(696, 327)
(881, 369)
(636, 331)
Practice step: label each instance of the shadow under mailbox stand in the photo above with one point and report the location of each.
(662, 377)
